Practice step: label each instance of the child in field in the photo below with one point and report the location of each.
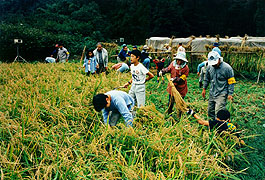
(139, 79)
(179, 72)
(90, 63)
(159, 62)
(113, 105)
(221, 123)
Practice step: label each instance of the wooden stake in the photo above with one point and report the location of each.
(258, 76)
(82, 55)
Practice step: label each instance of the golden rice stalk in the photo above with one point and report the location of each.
(180, 103)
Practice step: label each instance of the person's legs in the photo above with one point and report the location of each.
(132, 93)
(123, 67)
(211, 107)
(220, 102)
(146, 63)
(100, 68)
(113, 118)
(140, 95)
(170, 104)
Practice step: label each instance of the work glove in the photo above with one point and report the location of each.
(190, 112)
(160, 73)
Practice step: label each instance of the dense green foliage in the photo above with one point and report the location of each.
(41, 24)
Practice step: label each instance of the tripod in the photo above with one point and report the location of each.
(18, 56)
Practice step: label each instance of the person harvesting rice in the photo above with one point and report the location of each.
(179, 72)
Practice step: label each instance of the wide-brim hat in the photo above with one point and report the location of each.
(145, 47)
(213, 58)
(181, 55)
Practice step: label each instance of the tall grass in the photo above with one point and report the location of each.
(49, 130)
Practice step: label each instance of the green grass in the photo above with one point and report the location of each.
(49, 130)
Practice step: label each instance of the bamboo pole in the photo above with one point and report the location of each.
(84, 50)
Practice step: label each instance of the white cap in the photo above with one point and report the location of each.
(213, 58)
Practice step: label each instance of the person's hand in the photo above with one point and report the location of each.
(190, 112)
(230, 97)
(160, 73)
(106, 68)
(203, 93)
(126, 85)
(66, 60)
(97, 66)
(198, 73)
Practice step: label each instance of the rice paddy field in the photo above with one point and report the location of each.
(49, 130)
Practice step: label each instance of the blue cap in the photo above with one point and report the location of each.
(124, 45)
(135, 46)
(215, 44)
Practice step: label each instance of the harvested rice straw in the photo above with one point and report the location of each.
(180, 103)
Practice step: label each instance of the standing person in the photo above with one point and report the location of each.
(201, 70)
(55, 51)
(115, 104)
(181, 48)
(63, 54)
(159, 66)
(101, 55)
(179, 72)
(216, 48)
(139, 79)
(123, 53)
(221, 76)
(144, 57)
(90, 63)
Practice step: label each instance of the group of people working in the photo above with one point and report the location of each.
(219, 74)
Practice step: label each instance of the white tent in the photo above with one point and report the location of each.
(198, 44)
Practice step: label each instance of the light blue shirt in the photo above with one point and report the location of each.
(120, 102)
(93, 64)
(200, 66)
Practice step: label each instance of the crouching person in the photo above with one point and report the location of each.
(113, 105)
(221, 123)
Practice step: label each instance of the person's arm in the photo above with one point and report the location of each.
(128, 83)
(67, 55)
(199, 67)
(167, 69)
(150, 76)
(120, 104)
(231, 83)
(206, 81)
(199, 120)
(106, 60)
(105, 114)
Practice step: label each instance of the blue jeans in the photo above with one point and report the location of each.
(123, 67)
(146, 63)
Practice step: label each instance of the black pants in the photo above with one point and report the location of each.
(101, 68)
